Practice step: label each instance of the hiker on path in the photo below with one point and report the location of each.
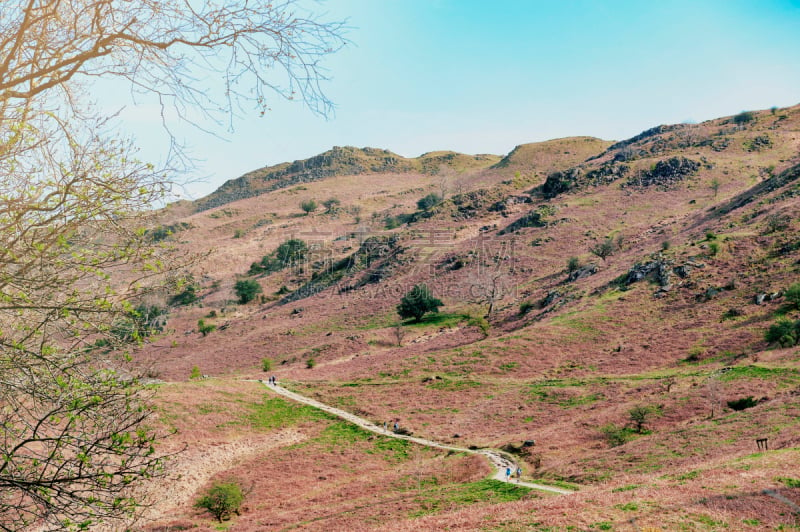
(519, 473)
(396, 426)
(508, 473)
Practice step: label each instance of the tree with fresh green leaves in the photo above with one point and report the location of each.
(418, 302)
(78, 439)
(331, 205)
(744, 117)
(640, 415)
(308, 206)
(247, 290)
(603, 249)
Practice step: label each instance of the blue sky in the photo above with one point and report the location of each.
(481, 77)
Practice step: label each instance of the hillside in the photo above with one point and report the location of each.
(608, 301)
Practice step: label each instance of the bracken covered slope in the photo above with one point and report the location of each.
(608, 301)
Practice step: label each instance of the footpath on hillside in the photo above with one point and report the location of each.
(498, 460)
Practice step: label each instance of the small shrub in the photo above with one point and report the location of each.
(615, 435)
(743, 403)
(627, 507)
(185, 297)
(429, 201)
(777, 222)
(665, 245)
(789, 482)
(731, 313)
(711, 235)
(222, 500)
(525, 307)
(205, 328)
(695, 353)
(290, 253)
(784, 332)
(309, 206)
(573, 264)
(239, 233)
(391, 222)
(195, 373)
(792, 296)
(713, 248)
(310, 363)
(480, 322)
(266, 364)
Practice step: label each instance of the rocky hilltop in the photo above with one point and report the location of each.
(338, 161)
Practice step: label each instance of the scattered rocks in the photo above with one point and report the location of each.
(534, 218)
(560, 182)
(760, 299)
(709, 294)
(683, 271)
(659, 270)
(503, 205)
(551, 297)
(583, 271)
(666, 173)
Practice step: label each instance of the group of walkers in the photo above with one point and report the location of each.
(273, 380)
(518, 474)
(396, 425)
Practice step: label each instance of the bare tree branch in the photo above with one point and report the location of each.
(76, 257)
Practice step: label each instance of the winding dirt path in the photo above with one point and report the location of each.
(499, 460)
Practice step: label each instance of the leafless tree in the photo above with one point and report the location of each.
(399, 333)
(75, 255)
(443, 184)
(488, 286)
